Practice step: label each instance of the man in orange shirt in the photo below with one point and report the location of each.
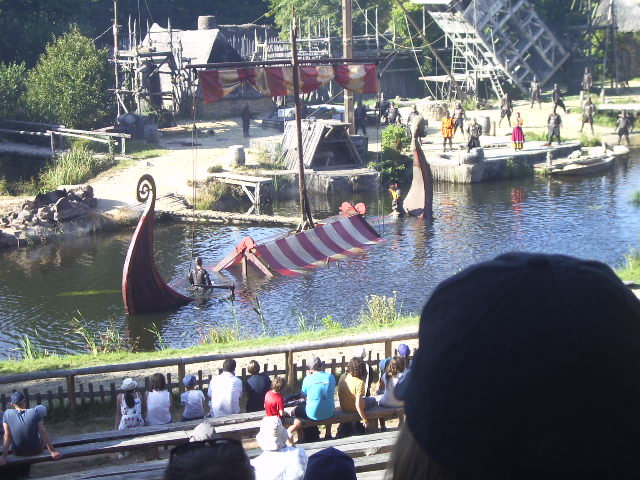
(447, 131)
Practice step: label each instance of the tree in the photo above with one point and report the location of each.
(70, 84)
(12, 90)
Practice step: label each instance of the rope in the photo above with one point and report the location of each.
(194, 159)
(415, 55)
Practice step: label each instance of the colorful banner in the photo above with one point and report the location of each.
(278, 81)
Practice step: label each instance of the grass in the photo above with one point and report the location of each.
(604, 120)
(587, 141)
(86, 360)
(215, 168)
(536, 136)
(74, 166)
(630, 271)
(209, 196)
(140, 150)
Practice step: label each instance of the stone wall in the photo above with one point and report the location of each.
(231, 107)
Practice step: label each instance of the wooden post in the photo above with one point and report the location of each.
(288, 359)
(92, 395)
(25, 391)
(71, 391)
(169, 387)
(38, 398)
(114, 396)
(347, 52)
(388, 350)
(123, 145)
(102, 393)
(181, 375)
(3, 401)
(81, 388)
(61, 397)
(53, 144)
(200, 383)
(49, 400)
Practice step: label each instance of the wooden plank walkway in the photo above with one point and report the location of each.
(24, 150)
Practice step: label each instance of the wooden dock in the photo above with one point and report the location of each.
(258, 189)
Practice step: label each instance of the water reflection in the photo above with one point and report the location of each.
(43, 287)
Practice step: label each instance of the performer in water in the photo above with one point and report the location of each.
(199, 277)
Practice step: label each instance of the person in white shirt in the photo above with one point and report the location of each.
(225, 390)
(278, 461)
(157, 402)
(192, 400)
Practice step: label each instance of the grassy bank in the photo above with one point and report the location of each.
(630, 271)
(54, 362)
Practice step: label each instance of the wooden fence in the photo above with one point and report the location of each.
(77, 394)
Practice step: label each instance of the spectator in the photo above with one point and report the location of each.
(273, 401)
(24, 431)
(128, 406)
(158, 401)
(388, 381)
(278, 461)
(351, 393)
(225, 390)
(219, 458)
(404, 352)
(257, 385)
(362, 353)
(330, 464)
(536, 375)
(192, 400)
(319, 389)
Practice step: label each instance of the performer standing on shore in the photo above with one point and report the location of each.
(447, 131)
(517, 135)
(360, 116)
(587, 80)
(553, 123)
(506, 108)
(588, 110)
(624, 122)
(458, 119)
(474, 131)
(536, 92)
(558, 98)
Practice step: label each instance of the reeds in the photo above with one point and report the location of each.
(380, 310)
(72, 167)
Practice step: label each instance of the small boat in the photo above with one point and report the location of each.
(584, 166)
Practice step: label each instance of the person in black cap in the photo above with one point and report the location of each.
(24, 431)
(199, 277)
(330, 464)
(536, 375)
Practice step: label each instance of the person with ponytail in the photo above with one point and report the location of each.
(129, 409)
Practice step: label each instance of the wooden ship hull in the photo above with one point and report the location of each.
(143, 289)
(419, 200)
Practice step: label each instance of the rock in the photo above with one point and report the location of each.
(5, 220)
(25, 215)
(13, 215)
(28, 205)
(71, 196)
(8, 240)
(575, 154)
(62, 204)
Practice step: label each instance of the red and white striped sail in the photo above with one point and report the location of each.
(278, 81)
(308, 249)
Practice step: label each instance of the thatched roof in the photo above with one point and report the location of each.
(627, 14)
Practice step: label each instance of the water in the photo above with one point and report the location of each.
(43, 287)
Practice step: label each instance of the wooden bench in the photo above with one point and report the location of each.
(115, 441)
(262, 186)
(370, 453)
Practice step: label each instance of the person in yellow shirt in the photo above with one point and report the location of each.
(351, 394)
(447, 131)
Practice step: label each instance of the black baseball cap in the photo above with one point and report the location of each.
(524, 351)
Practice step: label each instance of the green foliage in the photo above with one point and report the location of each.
(98, 342)
(210, 335)
(395, 137)
(74, 166)
(215, 168)
(516, 168)
(12, 90)
(70, 83)
(630, 271)
(536, 136)
(157, 334)
(329, 323)
(301, 320)
(606, 119)
(281, 12)
(635, 198)
(163, 117)
(140, 150)
(211, 194)
(587, 141)
(30, 351)
(380, 310)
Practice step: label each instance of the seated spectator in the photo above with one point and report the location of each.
(192, 400)
(256, 386)
(24, 431)
(404, 352)
(363, 353)
(330, 464)
(128, 406)
(318, 388)
(273, 401)
(387, 384)
(225, 390)
(158, 401)
(351, 395)
(219, 458)
(536, 375)
(278, 461)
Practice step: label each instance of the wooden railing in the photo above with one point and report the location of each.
(74, 395)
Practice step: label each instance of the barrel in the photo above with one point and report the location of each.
(207, 22)
(485, 123)
(236, 154)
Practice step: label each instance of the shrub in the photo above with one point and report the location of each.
(392, 165)
(380, 310)
(590, 141)
(395, 137)
(74, 166)
(211, 194)
(70, 84)
(215, 168)
(12, 90)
